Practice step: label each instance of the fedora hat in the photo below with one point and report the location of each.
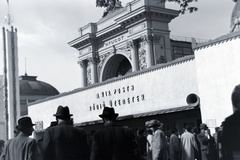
(62, 112)
(24, 122)
(203, 126)
(154, 123)
(108, 113)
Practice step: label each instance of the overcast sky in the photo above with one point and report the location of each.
(46, 26)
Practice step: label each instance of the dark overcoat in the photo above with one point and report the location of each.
(231, 136)
(65, 142)
(174, 147)
(21, 148)
(114, 142)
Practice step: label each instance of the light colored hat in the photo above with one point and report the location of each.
(154, 122)
(147, 124)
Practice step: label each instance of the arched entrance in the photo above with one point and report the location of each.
(118, 65)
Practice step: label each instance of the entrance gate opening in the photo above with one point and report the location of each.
(117, 66)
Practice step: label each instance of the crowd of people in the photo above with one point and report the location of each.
(63, 141)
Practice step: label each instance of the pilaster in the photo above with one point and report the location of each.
(148, 40)
(134, 45)
(93, 61)
(83, 72)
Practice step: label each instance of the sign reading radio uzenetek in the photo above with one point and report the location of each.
(117, 99)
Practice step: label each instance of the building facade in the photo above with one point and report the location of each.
(132, 38)
(128, 61)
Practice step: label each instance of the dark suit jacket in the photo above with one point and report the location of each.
(231, 135)
(65, 142)
(113, 142)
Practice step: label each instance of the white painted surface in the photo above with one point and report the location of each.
(163, 88)
(218, 71)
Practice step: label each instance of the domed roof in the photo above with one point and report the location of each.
(31, 86)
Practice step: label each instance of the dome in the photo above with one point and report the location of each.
(29, 85)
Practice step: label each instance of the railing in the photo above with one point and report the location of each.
(188, 39)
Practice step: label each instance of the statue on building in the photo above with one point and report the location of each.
(235, 18)
(110, 5)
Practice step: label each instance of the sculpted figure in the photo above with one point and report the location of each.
(235, 18)
(109, 4)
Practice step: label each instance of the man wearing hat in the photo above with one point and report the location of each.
(64, 141)
(22, 147)
(207, 143)
(159, 141)
(113, 141)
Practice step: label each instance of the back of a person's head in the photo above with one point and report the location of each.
(149, 131)
(25, 131)
(64, 118)
(236, 98)
(174, 130)
(107, 120)
(188, 128)
(141, 131)
(111, 118)
(195, 130)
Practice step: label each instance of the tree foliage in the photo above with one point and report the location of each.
(184, 5)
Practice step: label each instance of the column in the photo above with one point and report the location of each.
(83, 72)
(134, 45)
(12, 81)
(149, 49)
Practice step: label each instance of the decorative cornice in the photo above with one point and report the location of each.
(83, 63)
(119, 24)
(82, 41)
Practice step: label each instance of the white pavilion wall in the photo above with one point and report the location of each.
(218, 72)
(159, 88)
